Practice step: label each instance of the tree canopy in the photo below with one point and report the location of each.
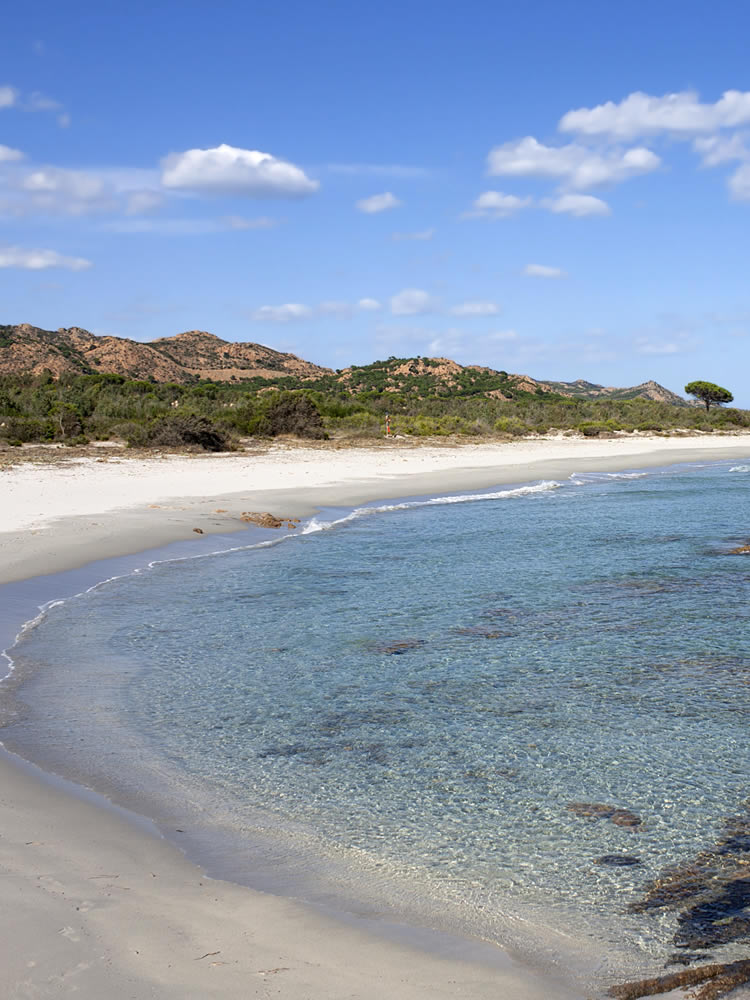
(709, 393)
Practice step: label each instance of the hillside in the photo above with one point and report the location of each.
(187, 357)
(580, 389)
(196, 355)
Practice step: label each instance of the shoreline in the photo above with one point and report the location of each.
(65, 515)
(176, 899)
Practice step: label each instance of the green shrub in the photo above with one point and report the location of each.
(289, 413)
(187, 429)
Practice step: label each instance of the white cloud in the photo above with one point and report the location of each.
(369, 305)
(8, 96)
(476, 309)
(718, 149)
(446, 343)
(496, 205)
(573, 165)
(239, 222)
(282, 314)
(74, 192)
(377, 203)
(680, 114)
(40, 260)
(8, 155)
(651, 347)
(412, 302)
(503, 336)
(40, 102)
(425, 234)
(143, 202)
(60, 191)
(542, 271)
(739, 183)
(579, 205)
(226, 170)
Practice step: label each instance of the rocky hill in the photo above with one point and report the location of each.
(580, 389)
(195, 355)
(186, 357)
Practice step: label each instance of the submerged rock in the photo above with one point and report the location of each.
(617, 860)
(599, 810)
(399, 647)
(483, 633)
(712, 892)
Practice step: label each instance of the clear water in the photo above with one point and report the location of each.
(580, 641)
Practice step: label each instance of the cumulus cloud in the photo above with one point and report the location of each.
(11, 97)
(680, 114)
(72, 191)
(287, 313)
(739, 183)
(424, 234)
(574, 165)
(542, 271)
(412, 302)
(8, 96)
(476, 309)
(40, 260)
(226, 170)
(717, 149)
(377, 203)
(579, 205)
(496, 205)
(8, 155)
(60, 191)
(369, 305)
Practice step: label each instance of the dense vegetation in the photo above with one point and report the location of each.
(77, 408)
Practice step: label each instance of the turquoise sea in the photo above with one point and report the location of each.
(501, 714)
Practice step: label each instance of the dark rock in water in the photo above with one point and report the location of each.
(599, 810)
(624, 817)
(591, 810)
(617, 860)
(483, 633)
(720, 979)
(402, 646)
(712, 892)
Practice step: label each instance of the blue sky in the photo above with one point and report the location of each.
(560, 189)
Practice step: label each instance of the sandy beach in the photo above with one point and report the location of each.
(66, 514)
(94, 902)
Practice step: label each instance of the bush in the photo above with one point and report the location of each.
(187, 429)
(289, 413)
(594, 429)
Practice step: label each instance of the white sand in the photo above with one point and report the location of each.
(60, 515)
(94, 906)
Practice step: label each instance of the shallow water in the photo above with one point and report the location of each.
(421, 691)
